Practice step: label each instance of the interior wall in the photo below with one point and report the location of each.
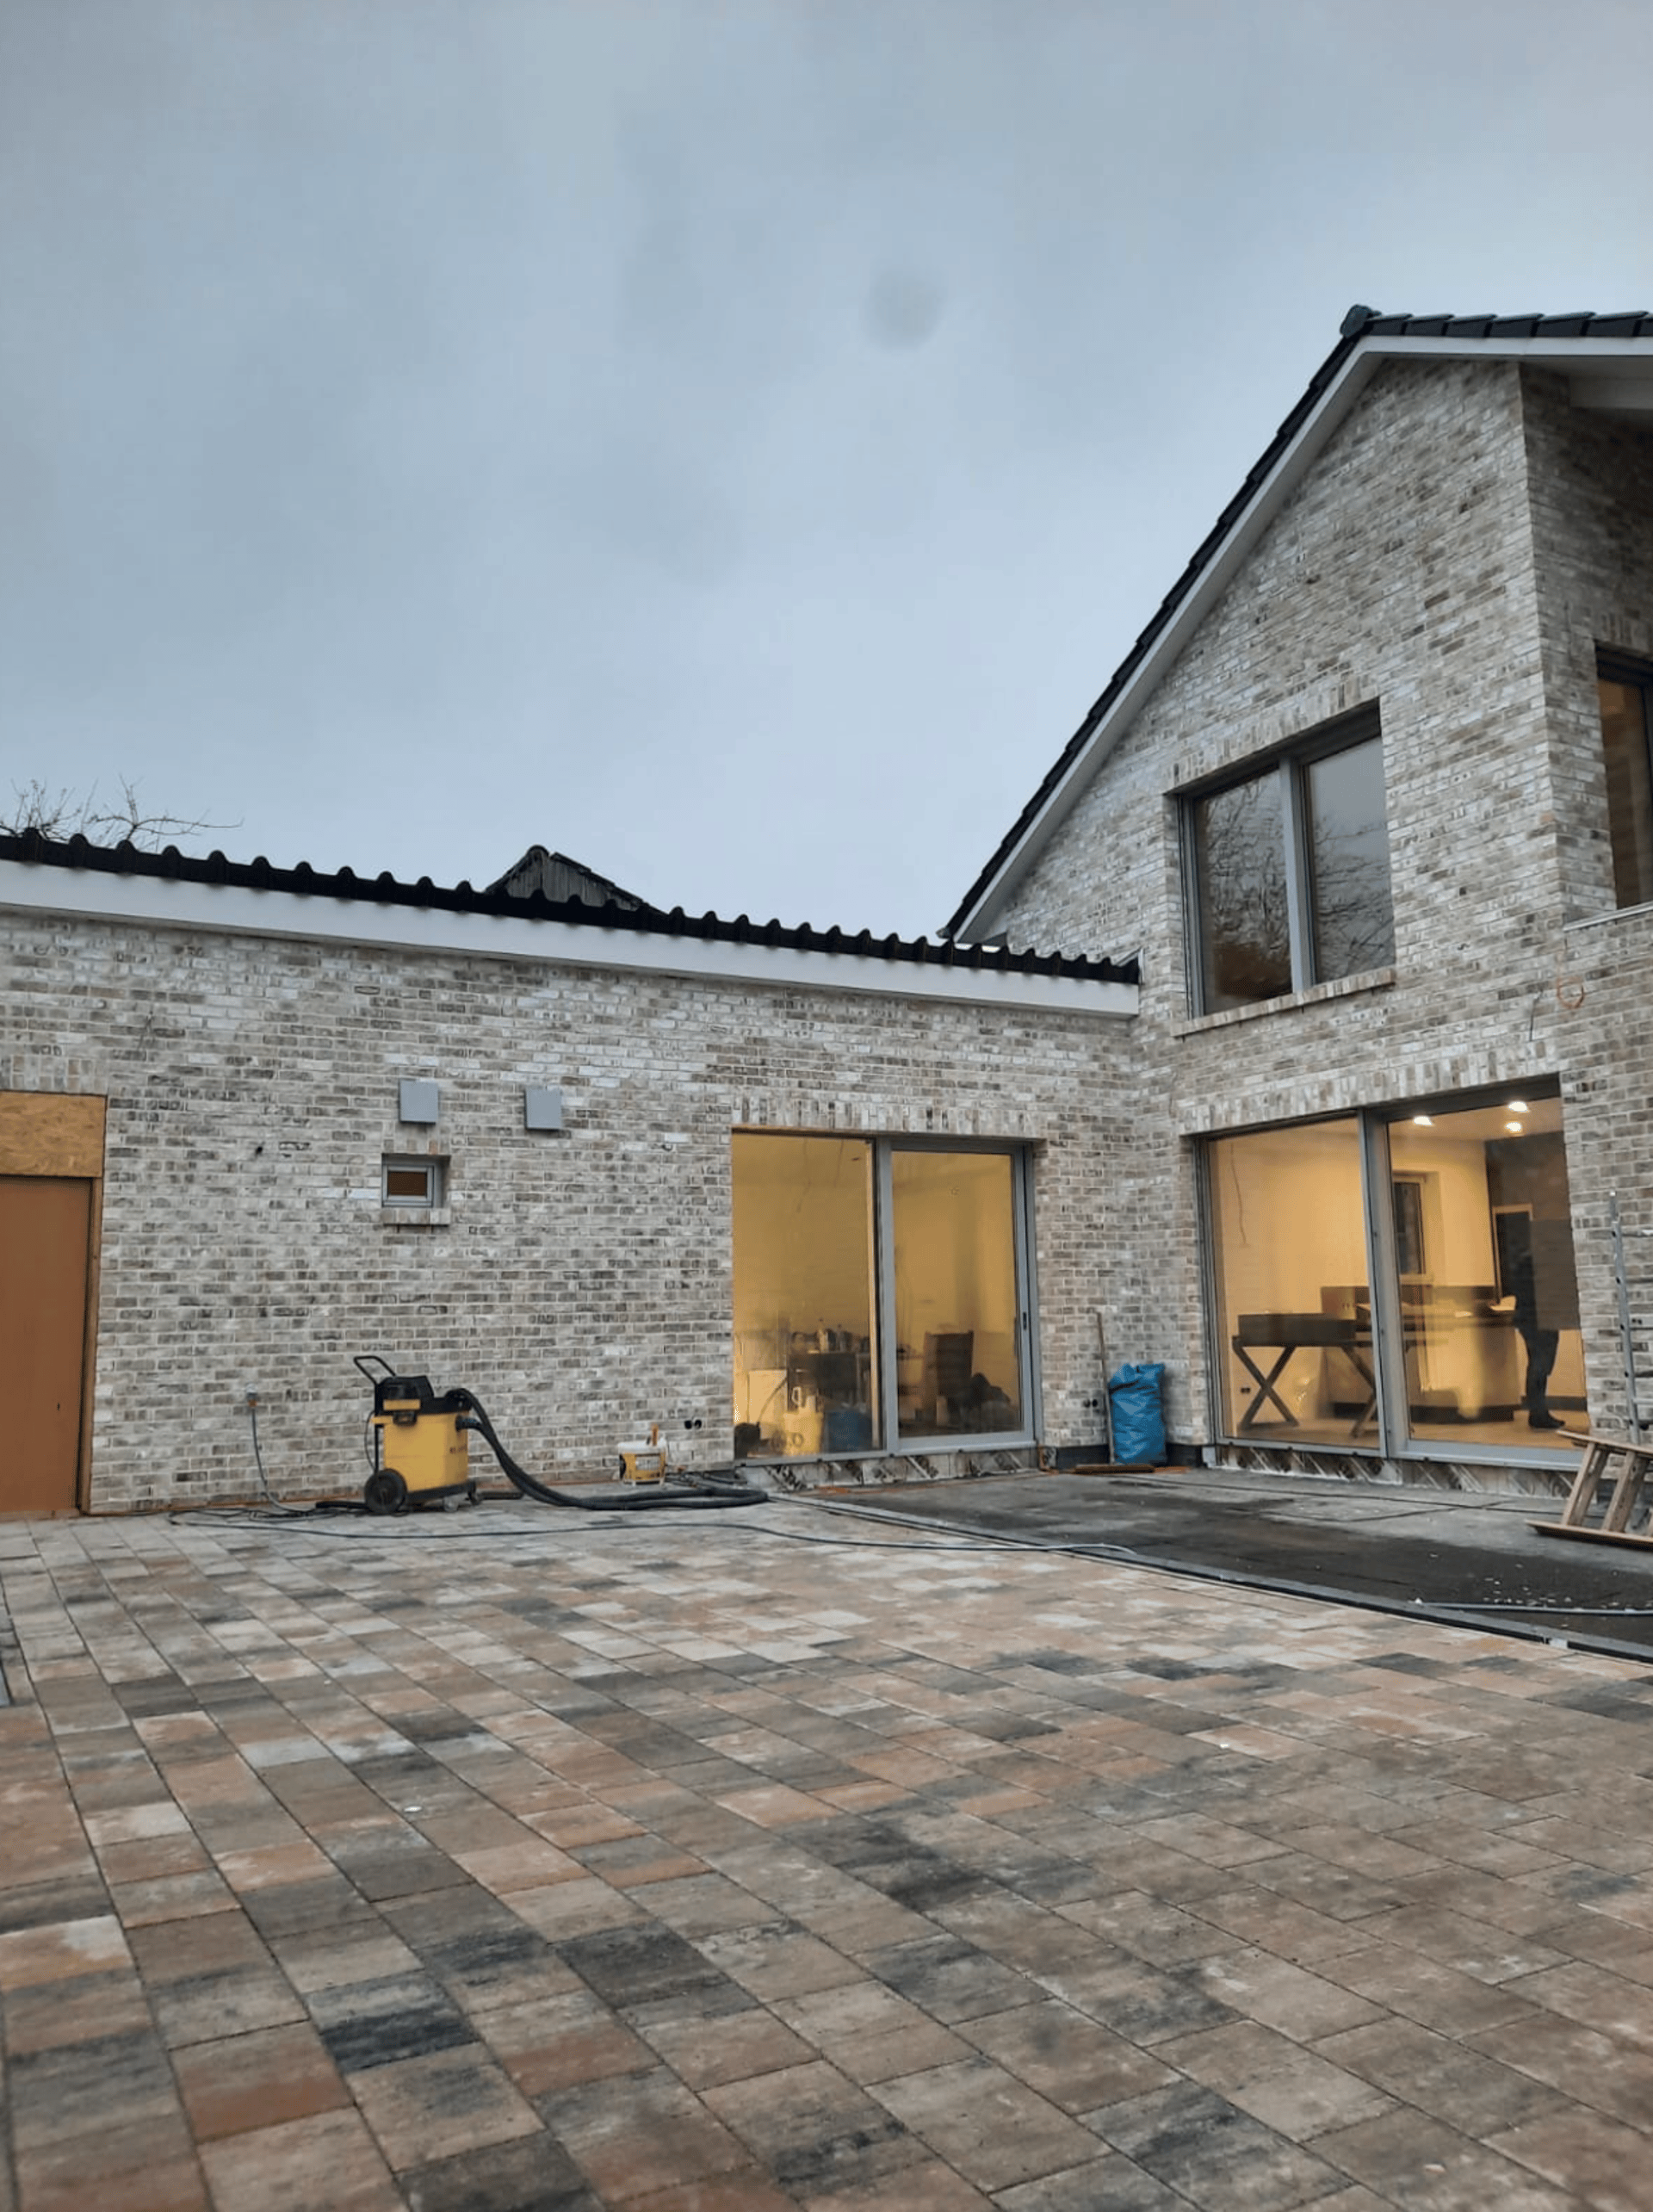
(956, 1257)
(802, 1233)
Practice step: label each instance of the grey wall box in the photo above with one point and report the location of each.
(542, 1108)
(416, 1101)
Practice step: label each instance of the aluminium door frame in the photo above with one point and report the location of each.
(1392, 1428)
(1025, 1305)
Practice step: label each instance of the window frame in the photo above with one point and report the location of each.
(1289, 765)
(431, 1166)
(1391, 1434)
(886, 1385)
(1612, 666)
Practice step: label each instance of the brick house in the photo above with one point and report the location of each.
(1372, 796)
(1351, 1139)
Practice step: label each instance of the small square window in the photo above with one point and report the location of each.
(414, 1182)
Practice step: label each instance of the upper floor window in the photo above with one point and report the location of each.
(1624, 689)
(1290, 871)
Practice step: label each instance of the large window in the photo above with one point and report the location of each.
(1293, 1297)
(1399, 1281)
(1624, 689)
(1290, 871)
(878, 1294)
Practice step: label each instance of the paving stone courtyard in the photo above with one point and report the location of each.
(518, 1861)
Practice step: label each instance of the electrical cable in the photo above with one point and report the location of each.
(349, 1519)
(1574, 1612)
(258, 1456)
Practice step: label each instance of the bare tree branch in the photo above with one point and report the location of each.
(61, 814)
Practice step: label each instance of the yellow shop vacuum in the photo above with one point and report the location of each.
(420, 1452)
(421, 1449)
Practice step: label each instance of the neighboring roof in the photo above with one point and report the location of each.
(1610, 359)
(559, 877)
(80, 856)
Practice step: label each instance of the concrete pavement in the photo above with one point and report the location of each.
(514, 1862)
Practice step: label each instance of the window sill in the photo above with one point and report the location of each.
(1612, 915)
(415, 1217)
(1346, 987)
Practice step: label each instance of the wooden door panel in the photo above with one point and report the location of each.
(44, 1224)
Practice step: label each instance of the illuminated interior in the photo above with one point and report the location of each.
(955, 1248)
(1494, 1296)
(876, 1291)
(1290, 1276)
(1475, 1324)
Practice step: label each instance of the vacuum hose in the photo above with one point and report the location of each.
(700, 1491)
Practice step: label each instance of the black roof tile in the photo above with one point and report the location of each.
(303, 880)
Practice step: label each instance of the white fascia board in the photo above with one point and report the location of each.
(984, 918)
(163, 901)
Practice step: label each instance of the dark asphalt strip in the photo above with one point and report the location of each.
(1495, 1593)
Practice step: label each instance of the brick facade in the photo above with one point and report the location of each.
(580, 1282)
(1459, 548)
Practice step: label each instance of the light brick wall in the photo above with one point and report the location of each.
(1451, 555)
(1592, 482)
(583, 1286)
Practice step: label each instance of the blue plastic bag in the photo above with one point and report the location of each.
(1135, 1396)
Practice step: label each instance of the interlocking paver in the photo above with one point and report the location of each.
(707, 1870)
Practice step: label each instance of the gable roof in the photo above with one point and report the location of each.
(1609, 360)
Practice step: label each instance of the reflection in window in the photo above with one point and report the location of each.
(955, 1248)
(1624, 730)
(805, 1370)
(1294, 1306)
(1348, 862)
(1239, 854)
(1291, 872)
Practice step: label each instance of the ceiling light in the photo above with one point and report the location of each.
(1423, 1121)
(1515, 1129)
(1518, 1105)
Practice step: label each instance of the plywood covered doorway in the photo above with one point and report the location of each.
(51, 1172)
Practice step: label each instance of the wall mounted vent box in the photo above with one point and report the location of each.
(542, 1108)
(417, 1100)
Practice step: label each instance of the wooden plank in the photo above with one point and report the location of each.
(1612, 1443)
(1626, 1495)
(1590, 1535)
(1582, 1496)
(50, 1133)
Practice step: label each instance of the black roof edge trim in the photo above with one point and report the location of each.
(1360, 324)
(77, 854)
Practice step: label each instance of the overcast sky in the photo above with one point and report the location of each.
(729, 441)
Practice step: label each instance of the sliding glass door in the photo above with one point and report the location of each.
(880, 1295)
(1487, 1315)
(1401, 1281)
(954, 1301)
(1292, 1283)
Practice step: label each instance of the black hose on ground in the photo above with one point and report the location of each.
(701, 1491)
